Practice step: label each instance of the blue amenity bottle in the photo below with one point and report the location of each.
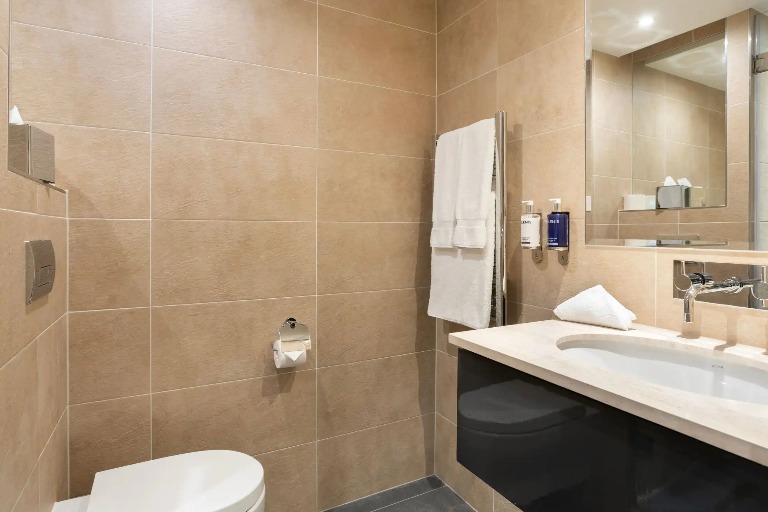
(557, 227)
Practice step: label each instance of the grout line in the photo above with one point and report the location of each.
(25, 347)
(385, 507)
(151, 127)
(83, 34)
(376, 19)
(462, 17)
(251, 300)
(478, 77)
(34, 213)
(224, 139)
(317, 323)
(256, 221)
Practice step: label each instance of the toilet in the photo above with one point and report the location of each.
(206, 481)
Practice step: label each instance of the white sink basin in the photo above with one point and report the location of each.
(675, 365)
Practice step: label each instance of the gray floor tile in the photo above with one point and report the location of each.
(440, 500)
(395, 495)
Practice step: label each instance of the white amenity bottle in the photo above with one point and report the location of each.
(530, 227)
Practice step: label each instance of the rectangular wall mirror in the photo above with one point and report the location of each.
(676, 121)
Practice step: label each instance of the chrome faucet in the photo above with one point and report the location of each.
(697, 283)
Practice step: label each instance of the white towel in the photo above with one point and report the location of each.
(462, 280)
(596, 306)
(475, 177)
(444, 195)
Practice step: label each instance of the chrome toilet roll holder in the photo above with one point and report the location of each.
(294, 335)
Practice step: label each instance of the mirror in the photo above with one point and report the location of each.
(671, 98)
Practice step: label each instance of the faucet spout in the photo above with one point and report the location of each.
(689, 301)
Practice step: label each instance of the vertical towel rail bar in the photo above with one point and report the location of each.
(500, 263)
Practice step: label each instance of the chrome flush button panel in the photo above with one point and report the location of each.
(41, 269)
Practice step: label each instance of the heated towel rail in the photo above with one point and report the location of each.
(499, 291)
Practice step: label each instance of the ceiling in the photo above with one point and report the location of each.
(704, 64)
(615, 29)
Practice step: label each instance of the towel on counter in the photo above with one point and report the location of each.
(596, 306)
(447, 158)
(462, 279)
(475, 181)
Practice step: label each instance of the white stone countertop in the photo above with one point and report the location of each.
(738, 427)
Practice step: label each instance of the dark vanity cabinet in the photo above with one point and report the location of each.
(548, 449)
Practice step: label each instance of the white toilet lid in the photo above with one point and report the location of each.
(208, 481)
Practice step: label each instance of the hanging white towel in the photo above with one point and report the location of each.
(596, 306)
(462, 280)
(475, 179)
(447, 160)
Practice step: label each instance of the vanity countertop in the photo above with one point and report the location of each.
(738, 427)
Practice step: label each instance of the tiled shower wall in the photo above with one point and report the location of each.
(33, 338)
(231, 164)
(527, 57)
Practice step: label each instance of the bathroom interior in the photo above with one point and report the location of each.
(384, 255)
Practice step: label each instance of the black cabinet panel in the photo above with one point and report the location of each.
(548, 449)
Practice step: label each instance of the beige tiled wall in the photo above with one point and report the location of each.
(230, 165)
(538, 78)
(33, 338)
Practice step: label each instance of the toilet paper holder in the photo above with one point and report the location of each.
(294, 335)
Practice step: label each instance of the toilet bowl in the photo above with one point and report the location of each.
(207, 481)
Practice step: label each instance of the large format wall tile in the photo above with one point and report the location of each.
(219, 342)
(467, 103)
(18, 424)
(251, 416)
(53, 467)
(468, 48)
(354, 117)
(204, 261)
(359, 326)
(51, 380)
(363, 395)
(289, 475)
(228, 180)
(115, 19)
(448, 11)
(108, 354)
(261, 104)
(373, 188)
(21, 323)
(276, 33)
(373, 52)
(530, 24)
(106, 435)
(61, 77)
(350, 468)
(446, 370)
(362, 256)
(109, 262)
(105, 172)
(544, 90)
(419, 14)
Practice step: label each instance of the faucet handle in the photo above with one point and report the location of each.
(760, 290)
(684, 281)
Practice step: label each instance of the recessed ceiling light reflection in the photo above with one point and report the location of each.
(645, 21)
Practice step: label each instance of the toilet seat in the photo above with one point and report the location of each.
(207, 481)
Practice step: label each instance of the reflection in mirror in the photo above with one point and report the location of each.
(669, 93)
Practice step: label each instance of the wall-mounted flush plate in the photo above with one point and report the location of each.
(41, 269)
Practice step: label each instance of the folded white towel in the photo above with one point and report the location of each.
(444, 195)
(596, 306)
(462, 280)
(475, 177)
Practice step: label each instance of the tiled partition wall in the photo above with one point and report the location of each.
(231, 164)
(33, 338)
(527, 57)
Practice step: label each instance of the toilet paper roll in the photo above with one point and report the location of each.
(286, 358)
